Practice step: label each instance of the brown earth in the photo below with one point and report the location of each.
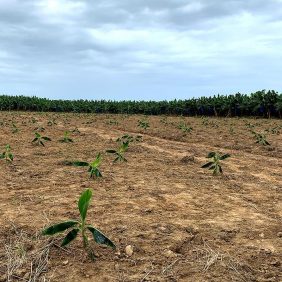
(183, 223)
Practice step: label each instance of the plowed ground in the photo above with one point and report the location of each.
(183, 223)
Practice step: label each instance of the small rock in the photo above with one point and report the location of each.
(170, 254)
(65, 262)
(129, 250)
(279, 234)
(26, 276)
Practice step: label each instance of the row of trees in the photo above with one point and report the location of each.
(261, 103)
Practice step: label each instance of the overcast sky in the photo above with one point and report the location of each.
(139, 49)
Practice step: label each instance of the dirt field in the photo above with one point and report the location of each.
(184, 223)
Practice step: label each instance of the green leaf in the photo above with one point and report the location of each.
(70, 237)
(111, 151)
(35, 139)
(78, 163)
(84, 202)
(100, 238)
(60, 227)
(207, 165)
(224, 157)
(211, 155)
(46, 138)
(97, 161)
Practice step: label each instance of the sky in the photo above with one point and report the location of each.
(139, 49)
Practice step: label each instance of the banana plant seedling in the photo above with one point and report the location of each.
(93, 167)
(260, 138)
(112, 122)
(119, 153)
(75, 131)
(40, 129)
(205, 121)
(274, 130)
(143, 124)
(80, 226)
(184, 127)
(14, 128)
(66, 138)
(39, 139)
(51, 122)
(129, 138)
(214, 164)
(7, 154)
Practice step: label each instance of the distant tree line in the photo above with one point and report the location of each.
(261, 103)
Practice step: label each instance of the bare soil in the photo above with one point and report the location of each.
(183, 223)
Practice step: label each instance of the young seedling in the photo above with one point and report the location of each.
(184, 127)
(66, 138)
(76, 131)
(51, 122)
(164, 120)
(40, 129)
(93, 167)
(119, 153)
(7, 154)
(14, 128)
(143, 124)
(129, 138)
(274, 130)
(39, 139)
(112, 122)
(214, 164)
(260, 138)
(205, 121)
(80, 227)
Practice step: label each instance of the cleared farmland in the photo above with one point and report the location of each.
(184, 223)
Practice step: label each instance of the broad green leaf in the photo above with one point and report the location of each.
(98, 173)
(111, 151)
(70, 236)
(100, 238)
(207, 165)
(37, 135)
(78, 163)
(224, 157)
(84, 202)
(46, 138)
(60, 227)
(211, 155)
(97, 161)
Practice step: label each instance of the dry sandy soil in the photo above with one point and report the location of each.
(183, 223)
